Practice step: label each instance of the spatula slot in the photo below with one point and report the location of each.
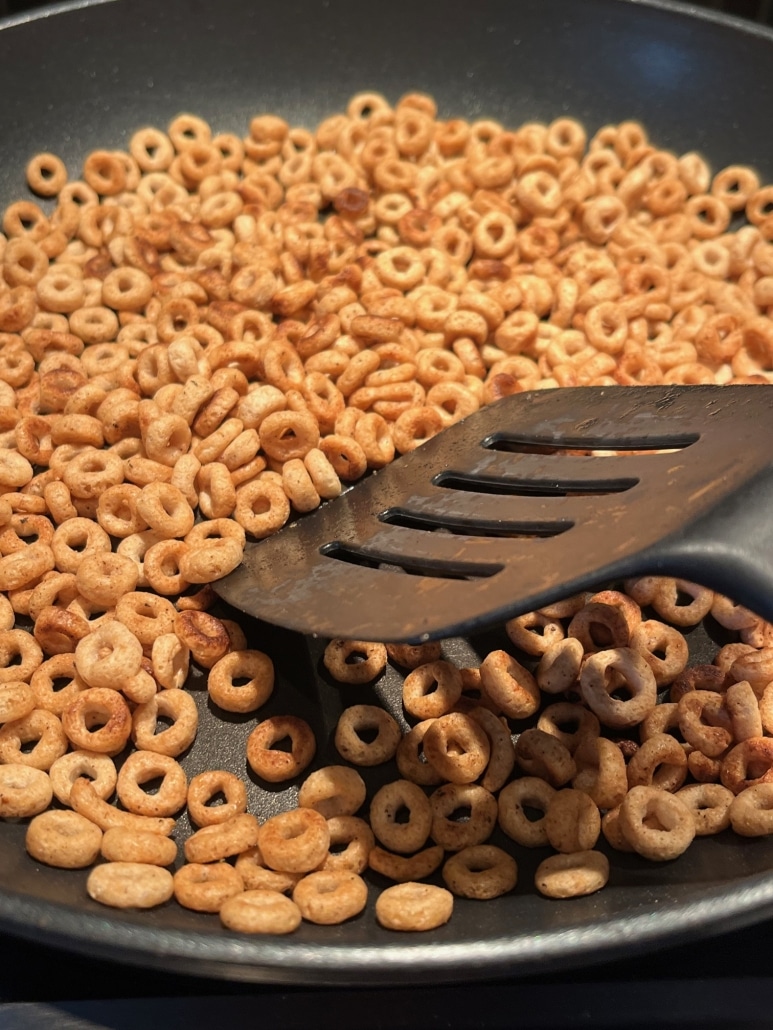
(514, 486)
(473, 527)
(601, 445)
(415, 566)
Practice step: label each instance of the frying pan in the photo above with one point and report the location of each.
(81, 76)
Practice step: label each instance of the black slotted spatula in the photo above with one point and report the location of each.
(521, 504)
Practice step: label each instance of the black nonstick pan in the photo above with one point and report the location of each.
(82, 76)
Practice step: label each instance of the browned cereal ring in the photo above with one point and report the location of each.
(710, 805)
(705, 722)
(204, 635)
(354, 661)
(414, 906)
(596, 687)
(260, 911)
(329, 897)
(272, 764)
(572, 821)
(751, 811)
(254, 667)
(41, 727)
(432, 690)
(176, 705)
(447, 801)
(63, 839)
(541, 754)
(98, 720)
(59, 630)
(296, 841)
(137, 846)
(457, 747)
(99, 769)
(519, 796)
(335, 790)
(17, 700)
(205, 888)
(509, 685)
(356, 749)
(24, 791)
(351, 842)
(601, 771)
(143, 766)
(480, 872)
(600, 627)
(389, 822)
(573, 875)
(257, 876)
(502, 758)
(534, 632)
(203, 792)
(659, 762)
(613, 831)
(411, 656)
(130, 885)
(747, 764)
(658, 825)
(221, 840)
(404, 869)
(23, 567)
(411, 762)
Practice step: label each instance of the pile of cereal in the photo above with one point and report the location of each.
(205, 336)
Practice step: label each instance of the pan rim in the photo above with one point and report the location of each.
(720, 909)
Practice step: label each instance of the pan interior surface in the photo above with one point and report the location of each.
(104, 70)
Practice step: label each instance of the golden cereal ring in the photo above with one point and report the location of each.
(203, 791)
(572, 821)
(143, 766)
(509, 685)
(40, 728)
(85, 801)
(130, 885)
(272, 764)
(206, 888)
(98, 768)
(573, 875)
(254, 666)
(221, 840)
(432, 690)
(260, 911)
(457, 747)
(414, 907)
(353, 841)
(354, 661)
(354, 748)
(24, 791)
(295, 842)
(108, 656)
(63, 839)
(335, 790)
(480, 872)
(329, 897)
(137, 846)
(411, 656)
(176, 705)
(411, 761)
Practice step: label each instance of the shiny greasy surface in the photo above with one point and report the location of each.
(90, 76)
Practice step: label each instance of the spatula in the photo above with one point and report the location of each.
(528, 500)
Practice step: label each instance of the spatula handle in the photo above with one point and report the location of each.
(730, 549)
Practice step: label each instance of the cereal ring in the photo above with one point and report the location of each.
(176, 705)
(659, 762)
(573, 875)
(204, 635)
(658, 825)
(596, 686)
(710, 805)
(256, 875)
(509, 685)
(389, 822)
(600, 627)
(20, 656)
(402, 869)
(411, 761)
(17, 700)
(24, 791)
(751, 811)
(480, 872)
(449, 800)
(572, 821)
(513, 805)
(143, 766)
(704, 722)
(295, 841)
(557, 720)
(540, 754)
(351, 842)
(329, 897)
(260, 911)
(354, 661)
(63, 839)
(99, 769)
(747, 764)
(335, 790)
(130, 885)
(205, 888)
(534, 632)
(411, 656)
(221, 840)
(41, 727)
(273, 764)
(137, 846)
(432, 690)
(85, 801)
(414, 906)
(170, 659)
(98, 720)
(601, 772)
(108, 656)
(254, 667)
(457, 747)
(204, 791)
(356, 749)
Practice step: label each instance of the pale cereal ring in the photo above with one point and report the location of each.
(261, 508)
(24, 791)
(296, 841)
(17, 699)
(166, 511)
(170, 659)
(710, 804)
(289, 434)
(335, 790)
(351, 842)
(329, 897)
(457, 747)
(260, 911)
(651, 639)
(253, 666)
(572, 821)
(273, 764)
(143, 766)
(667, 601)
(176, 705)
(130, 885)
(354, 661)
(481, 872)
(411, 761)
(519, 796)
(359, 751)
(98, 720)
(146, 616)
(137, 846)
(203, 792)
(63, 839)
(432, 690)
(257, 876)
(393, 828)
(534, 632)
(117, 510)
(205, 888)
(596, 687)
(541, 754)
(448, 800)
(414, 906)
(658, 825)
(573, 875)
(46, 174)
(99, 769)
(20, 656)
(40, 728)
(659, 762)
(751, 811)
(509, 685)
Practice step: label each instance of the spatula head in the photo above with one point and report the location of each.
(531, 499)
